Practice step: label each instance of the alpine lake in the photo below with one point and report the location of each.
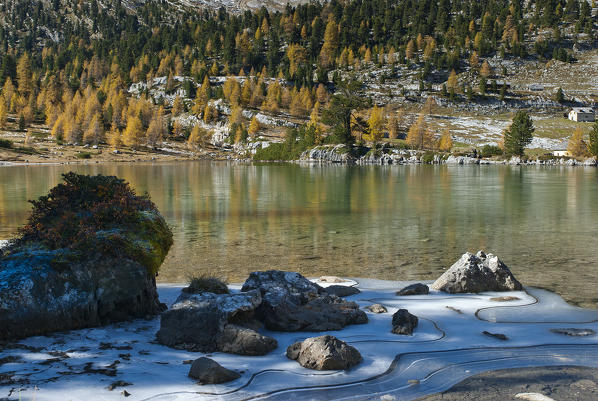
(386, 222)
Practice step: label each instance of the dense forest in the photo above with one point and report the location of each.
(70, 63)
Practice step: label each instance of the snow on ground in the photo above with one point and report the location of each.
(447, 346)
(473, 130)
(3, 243)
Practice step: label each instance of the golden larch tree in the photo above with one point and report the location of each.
(134, 133)
(445, 143)
(254, 126)
(376, 124)
(577, 145)
(327, 53)
(419, 136)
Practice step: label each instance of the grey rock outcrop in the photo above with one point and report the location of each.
(477, 273)
(324, 353)
(342, 290)
(208, 322)
(414, 289)
(244, 341)
(208, 371)
(290, 302)
(403, 322)
(329, 154)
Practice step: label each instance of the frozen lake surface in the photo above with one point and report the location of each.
(447, 346)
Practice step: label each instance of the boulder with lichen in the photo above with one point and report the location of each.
(88, 256)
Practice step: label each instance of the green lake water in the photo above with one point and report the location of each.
(388, 222)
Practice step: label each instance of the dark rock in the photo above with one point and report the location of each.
(118, 383)
(81, 261)
(290, 302)
(324, 353)
(209, 322)
(377, 308)
(403, 322)
(342, 290)
(414, 289)
(477, 273)
(574, 332)
(498, 336)
(208, 371)
(243, 341)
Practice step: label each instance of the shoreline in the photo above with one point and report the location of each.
(456, 161)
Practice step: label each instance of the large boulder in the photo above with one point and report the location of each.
(477, 273)
(88, 256)
(208, 322)
(208, 371)
(290, 302)
(324, 353)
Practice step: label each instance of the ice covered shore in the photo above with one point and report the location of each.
(447, 346)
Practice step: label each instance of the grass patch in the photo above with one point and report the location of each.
(206, 283)
(5, 143)
(491, 150)
(26, 150)
(83, 155)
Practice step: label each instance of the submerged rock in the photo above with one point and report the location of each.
(342, 290)
(403, 322)
(324, 353)
(477, 273)
(208, 371)
(574, 332)
(209, 322)
(498, 336)
(88, 256)
(290, 302)
(414, 289)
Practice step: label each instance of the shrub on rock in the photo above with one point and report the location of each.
(87, 256)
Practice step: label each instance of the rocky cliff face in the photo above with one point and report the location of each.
(88, 256)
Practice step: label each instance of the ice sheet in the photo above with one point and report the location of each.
(447, 346)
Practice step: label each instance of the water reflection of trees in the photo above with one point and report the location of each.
(399, 222)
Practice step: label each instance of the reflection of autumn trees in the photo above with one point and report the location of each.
(395, 222)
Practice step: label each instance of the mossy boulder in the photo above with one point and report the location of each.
(88, 256)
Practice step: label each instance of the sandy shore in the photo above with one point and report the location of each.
(562, 383)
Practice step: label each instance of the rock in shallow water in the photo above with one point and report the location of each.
(574, 332)
(208, 371)
(324, 353)
(414, 289)
(477, 273)
(290, 302)
(403, 322)
(88, 256)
